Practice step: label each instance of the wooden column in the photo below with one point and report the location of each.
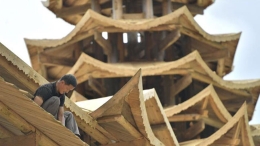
(148, 8)
(95, 6)
(117, 8)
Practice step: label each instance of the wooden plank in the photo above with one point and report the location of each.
(41, 140)
(105, 44)
(74, 10)
(169, 39)
(215, 55)
(4, 133)
(15, 119)
(138, 142)
(48, 59)
(133, 16)
(185, 117)
(23, 140)
(117, 9)
(97, 86)
(148, 9)
(194, 130)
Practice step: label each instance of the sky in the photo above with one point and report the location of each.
(21, 19)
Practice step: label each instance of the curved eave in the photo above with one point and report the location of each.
(132, 95)
(243, 135)
(156, 115)
(191, 64)
(96, 22)
(55, 6)
(214, 101)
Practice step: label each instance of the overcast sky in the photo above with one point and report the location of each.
(21, 19)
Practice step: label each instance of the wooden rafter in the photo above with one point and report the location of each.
(169, 39)
(97, 86)
(105, 44)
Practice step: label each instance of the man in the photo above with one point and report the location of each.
(51, 97)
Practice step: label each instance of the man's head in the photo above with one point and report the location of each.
(66, 83)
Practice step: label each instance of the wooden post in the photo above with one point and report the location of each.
(148, 8)
(117, 9)
(120, 47)
(95, 6)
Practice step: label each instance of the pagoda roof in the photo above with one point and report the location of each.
(93, 22)
(72, 11)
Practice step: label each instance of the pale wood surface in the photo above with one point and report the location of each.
(18, 72)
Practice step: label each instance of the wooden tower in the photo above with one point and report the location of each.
(125, 48)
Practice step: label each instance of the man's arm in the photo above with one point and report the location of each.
(38, 100)
(61, 115)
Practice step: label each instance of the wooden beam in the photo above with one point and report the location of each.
(133, 16)
(169, 39)
(194, 9)
(185, 117)
(117, 9)
(194, 130)
(15, 119)
(74, 10)
(213, 122)
(148, 9)
(97, 86)
(47, 59)
(181, 84)
(215, 55)
(105, 44)
(23, 140)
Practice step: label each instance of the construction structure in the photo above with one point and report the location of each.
(162, 86)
